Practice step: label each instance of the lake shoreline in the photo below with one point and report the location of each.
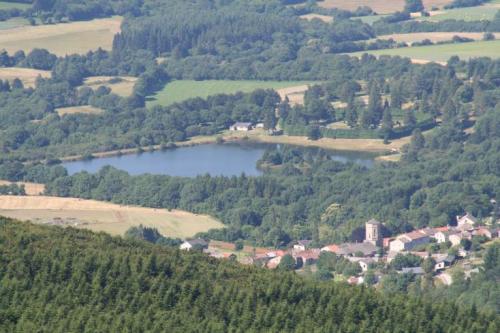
(369, 146)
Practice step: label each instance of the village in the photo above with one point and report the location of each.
(431, 251)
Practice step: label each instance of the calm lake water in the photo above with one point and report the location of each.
(214, 159)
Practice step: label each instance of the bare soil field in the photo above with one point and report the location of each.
(379, 6)
(30, 188)
(324, 18)
(102, 216)
(434, 36)
(123, 87)
(27, 75)
(78, 109)
(63, 38)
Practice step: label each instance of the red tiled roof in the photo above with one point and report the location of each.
(331, 248)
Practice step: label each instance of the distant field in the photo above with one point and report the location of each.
(15, 22)
(323, 18)
(123, 87)
(444, 52)
(485, 12)
(102, 216)
(30, 188)
(13, 5)
(379, 6)
(178, 91)
(78, 109)
(433, 36)
(26, 75)
(369, 19)
(64, 38)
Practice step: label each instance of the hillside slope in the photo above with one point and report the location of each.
(68, 280)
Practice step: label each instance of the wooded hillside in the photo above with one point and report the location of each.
(67, 280)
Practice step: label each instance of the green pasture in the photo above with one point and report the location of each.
(178, 91)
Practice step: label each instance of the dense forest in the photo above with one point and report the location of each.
(68, 280)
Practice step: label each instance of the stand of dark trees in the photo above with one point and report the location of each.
(54, 280)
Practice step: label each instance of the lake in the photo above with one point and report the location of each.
(230, 159)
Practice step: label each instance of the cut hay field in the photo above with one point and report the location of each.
(26, 75)
(122, 85)
(13, 5)
(103, 216)
(178, 91)
(78, 109)
(379, 6)
(30, 188)
(310, 17)
(443, 52)
(63, 38)
(434, 36)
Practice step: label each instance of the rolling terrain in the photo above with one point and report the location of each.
(103, 216)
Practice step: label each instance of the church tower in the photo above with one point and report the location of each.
(372, 232)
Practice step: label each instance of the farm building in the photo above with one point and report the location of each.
(194, 244)
(302, 245)
(241, 127)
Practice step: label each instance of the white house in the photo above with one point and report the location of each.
(242, 127)
(302, 245)
(466, 221)
(194, 243)
(409, 241)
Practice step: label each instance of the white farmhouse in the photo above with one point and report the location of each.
(194, 243)
(241, 127)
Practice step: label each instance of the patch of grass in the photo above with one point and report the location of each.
(13, 5)
(121, 85)
(369, 19)
(444, 52)
(178, 91)
(466, 14)
(78, 109)
(15, 22)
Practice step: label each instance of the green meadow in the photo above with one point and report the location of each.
(485, 12)
(13, 5)
(178, 91)
(444, 52)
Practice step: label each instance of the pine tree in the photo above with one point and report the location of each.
(409, 120)
(396, 95)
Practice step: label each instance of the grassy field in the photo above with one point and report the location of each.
(64, 38)
(13, 5)
(15, 22)
(26, 75)
(178, 91)
(379, 6)
(78, 109)
(123, 87)
(102, 216)
(444, 52)
(433, 36)
(484, 12)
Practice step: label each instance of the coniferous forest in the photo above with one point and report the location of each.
(68, 280)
